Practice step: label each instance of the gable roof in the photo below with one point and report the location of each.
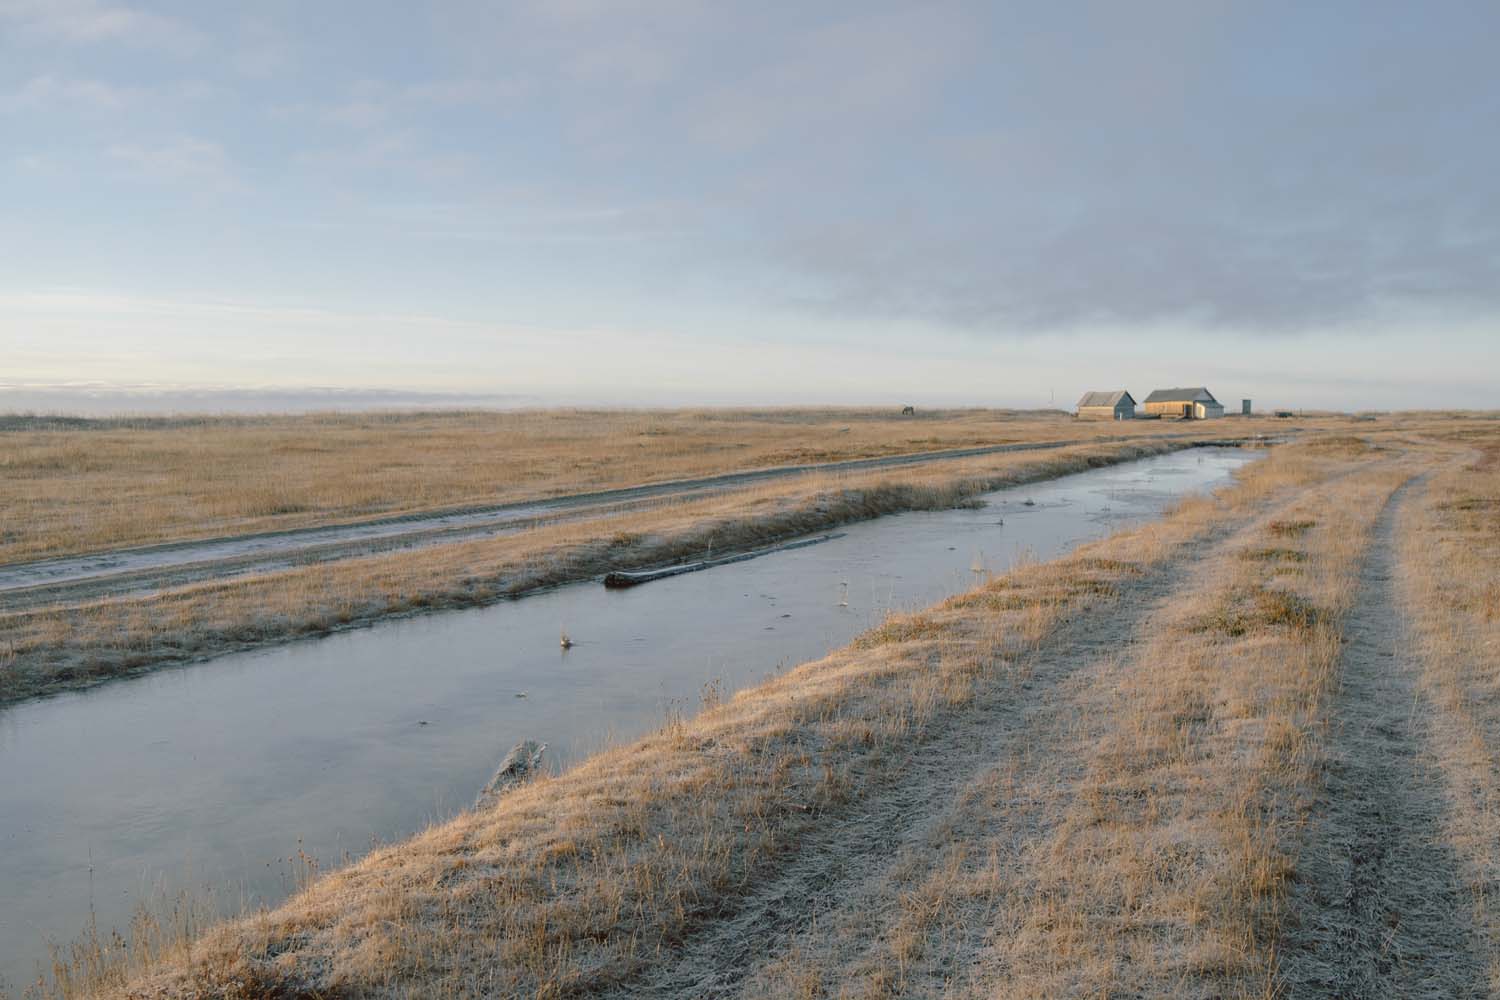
(1193, 394)
(1110, 399)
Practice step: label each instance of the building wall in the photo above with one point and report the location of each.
(1173, 409)
(1207, 411)
(1122, 411)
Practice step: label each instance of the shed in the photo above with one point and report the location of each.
(1117, 405)
(1188, 404)
(1193, 403)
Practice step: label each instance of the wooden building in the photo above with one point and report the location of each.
(1117, 405)
(1195, 403)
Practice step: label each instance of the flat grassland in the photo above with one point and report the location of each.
(71, 486)
(116, 484)
(1251, 749)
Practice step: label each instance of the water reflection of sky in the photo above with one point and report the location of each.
(213, 773)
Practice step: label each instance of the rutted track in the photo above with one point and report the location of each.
(834, 896)
(143, 569)
(1379, 908)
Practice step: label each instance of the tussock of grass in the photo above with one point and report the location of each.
(900, 628)
(1274, 554)
(1244, 610)
(1290, 528)
(1116, 566)
(1471, 503)
(1344, 445)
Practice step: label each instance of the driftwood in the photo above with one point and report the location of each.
(519, 766)
(628, 578)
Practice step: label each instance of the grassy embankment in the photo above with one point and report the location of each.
(1450, 579)
(1161, 865)
(76, 644)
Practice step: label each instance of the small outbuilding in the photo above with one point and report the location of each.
(1194, 403)
(1117, 405)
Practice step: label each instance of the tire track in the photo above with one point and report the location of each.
(845, 870)
(1378, 908)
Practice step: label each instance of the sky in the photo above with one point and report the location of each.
(668, 201)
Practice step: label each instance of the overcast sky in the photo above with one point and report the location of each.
(672, 201)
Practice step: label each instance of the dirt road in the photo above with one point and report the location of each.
(1378, 908)
(864, 895)
(148, 568)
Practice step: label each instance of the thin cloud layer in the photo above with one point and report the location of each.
(981, 170)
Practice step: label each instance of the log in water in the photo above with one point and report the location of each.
(631, 578)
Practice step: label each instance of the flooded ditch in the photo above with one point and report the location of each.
(215, 774)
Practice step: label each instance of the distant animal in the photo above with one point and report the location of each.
(908, 411)
(567, 643)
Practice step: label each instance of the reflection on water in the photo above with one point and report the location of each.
(213, 774)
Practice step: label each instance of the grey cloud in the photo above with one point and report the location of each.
(88, 22)
(1139, 180)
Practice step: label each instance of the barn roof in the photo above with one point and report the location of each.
(1105, 398)
(1189, 395)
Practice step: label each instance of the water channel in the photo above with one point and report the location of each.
(212, 775)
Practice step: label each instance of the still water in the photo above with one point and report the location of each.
(213, 775)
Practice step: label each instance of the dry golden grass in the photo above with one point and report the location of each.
(1165, 865)
(77, 644)
(1168, 874)
(84, 486)
(1450, 579)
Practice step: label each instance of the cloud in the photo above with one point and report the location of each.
(89, 22)
(860, 75)
(51, 92)
(1150, 169)
(1136, 268)
(463, 92)
(989, 168)
(185, 160)
(370, 104)
(261, 50)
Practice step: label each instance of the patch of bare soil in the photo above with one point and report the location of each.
(998, 771)
(1378, 907)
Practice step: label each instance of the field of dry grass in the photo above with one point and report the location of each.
(69, 487)
(1096, 776)
(1246, 751)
